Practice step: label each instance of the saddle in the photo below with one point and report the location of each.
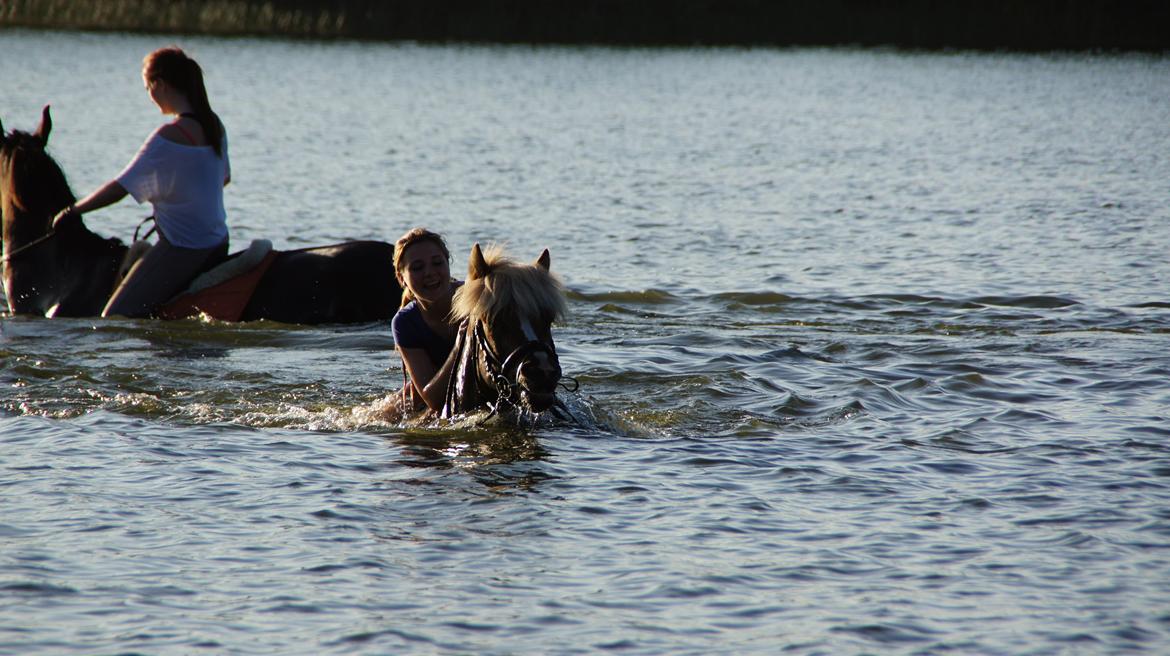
(223, 292)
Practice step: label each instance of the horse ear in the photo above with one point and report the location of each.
(544, 260)
(45, 127)
(477, 267)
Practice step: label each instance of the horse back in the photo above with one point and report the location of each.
(351, 282)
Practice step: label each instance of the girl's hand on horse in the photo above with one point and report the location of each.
(69, 211)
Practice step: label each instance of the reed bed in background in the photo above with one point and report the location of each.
(969, 24)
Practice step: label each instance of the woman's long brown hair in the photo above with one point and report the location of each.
(173, 66)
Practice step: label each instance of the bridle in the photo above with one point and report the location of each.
(505, 376)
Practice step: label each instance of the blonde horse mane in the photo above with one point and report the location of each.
(530, 288)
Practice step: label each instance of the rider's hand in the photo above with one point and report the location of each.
(71, 210)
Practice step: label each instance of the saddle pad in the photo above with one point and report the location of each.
(225, 301)
(235, 266)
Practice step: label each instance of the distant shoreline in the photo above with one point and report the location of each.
(1013, 25)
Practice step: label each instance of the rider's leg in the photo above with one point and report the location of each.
(161, 274)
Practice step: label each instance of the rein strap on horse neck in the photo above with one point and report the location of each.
(17, 251)
(53, 233)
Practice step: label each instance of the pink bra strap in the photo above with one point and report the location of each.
(186, 134)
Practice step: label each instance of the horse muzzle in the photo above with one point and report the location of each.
(537, 379)
(537, 370)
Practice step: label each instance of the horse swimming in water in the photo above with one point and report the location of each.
(505, 356)
(71, 272)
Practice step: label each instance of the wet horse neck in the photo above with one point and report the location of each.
(469, 387)
(70, 273)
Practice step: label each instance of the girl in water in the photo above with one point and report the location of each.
(423, 335)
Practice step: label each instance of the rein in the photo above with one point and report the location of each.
(39, 240)
(53, 233)
(153, 228)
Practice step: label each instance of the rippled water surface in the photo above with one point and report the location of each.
(872, 352)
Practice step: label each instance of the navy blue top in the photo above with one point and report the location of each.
(410, 330)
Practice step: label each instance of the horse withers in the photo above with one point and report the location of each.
(70, 271)
(505, 358)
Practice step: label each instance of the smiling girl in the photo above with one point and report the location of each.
(422, 332)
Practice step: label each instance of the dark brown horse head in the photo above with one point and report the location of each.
(508, 309)
(43, 129)
(33, 187)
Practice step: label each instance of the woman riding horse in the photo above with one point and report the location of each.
(181, 170)
(71, 271)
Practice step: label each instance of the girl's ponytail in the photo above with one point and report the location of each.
(173, 66)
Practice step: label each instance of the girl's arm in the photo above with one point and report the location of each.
(107, 194)
(427, 383)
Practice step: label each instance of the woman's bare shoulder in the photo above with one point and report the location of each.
(185, 132)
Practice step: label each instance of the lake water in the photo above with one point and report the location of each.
(874, 347)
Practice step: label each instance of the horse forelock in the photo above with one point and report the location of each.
(529, 289)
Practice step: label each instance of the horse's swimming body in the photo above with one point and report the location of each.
(70, 271)
(505, 356)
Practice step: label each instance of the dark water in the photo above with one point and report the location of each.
(872, 353)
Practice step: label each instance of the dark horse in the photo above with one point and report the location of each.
(71, 272)
(504, 351)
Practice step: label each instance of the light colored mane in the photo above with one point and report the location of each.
(530, 289)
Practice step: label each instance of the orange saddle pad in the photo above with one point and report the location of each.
(225, 301)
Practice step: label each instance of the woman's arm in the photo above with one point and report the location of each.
(427, 383)
(107, 194)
